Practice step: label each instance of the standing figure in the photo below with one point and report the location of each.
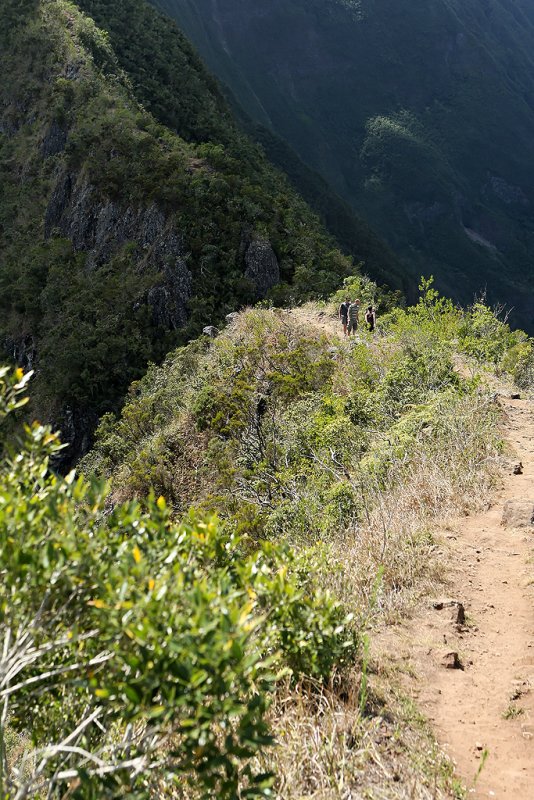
(370, 318)
(344, 315)
(354, 317)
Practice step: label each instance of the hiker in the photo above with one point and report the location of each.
(344, 315)
(354, 316)
(370, 318)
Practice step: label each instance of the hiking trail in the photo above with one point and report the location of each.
(481, 704)
(482, 712)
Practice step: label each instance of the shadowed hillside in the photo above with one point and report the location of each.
(420, 115)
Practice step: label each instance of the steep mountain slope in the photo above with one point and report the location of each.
(143, 51)
(420, 116)
(119, 237)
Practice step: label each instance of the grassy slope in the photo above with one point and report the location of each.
(356, 450)
(211, 183)
(418, 116)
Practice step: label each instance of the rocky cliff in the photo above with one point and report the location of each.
(124, 232)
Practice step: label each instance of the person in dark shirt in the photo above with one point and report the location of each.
(354, 317)
(370, 318)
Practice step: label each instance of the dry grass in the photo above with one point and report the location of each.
(399, 538)
(326, 749)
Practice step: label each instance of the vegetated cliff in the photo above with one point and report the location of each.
(420, 115)
(119, 236)
(143, 51)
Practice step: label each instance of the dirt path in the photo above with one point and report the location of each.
(487, 707)
(483, 714)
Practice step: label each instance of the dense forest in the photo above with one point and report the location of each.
(134, 211)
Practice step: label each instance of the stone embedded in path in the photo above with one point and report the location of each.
(519, 688)
(527, 730)
(456, 608)
(518, 469)
(452, 661)
(518, 514)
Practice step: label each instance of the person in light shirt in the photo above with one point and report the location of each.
(354, 317)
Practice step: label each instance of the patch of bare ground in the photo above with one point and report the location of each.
(473, 649)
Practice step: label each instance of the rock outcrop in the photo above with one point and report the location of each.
(76, 426)
(55, 140)
(261, 266)
(22, 350)
(101, 228)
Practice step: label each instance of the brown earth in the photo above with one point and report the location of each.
(482, 706)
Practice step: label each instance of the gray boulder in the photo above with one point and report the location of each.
(211, 331)
(518, 514)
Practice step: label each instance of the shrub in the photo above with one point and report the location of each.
(519, 362)
(483, 336)
(135, 650)
(414, 376)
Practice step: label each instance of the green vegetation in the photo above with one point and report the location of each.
(123, 228)
(153, 649)
(196, 111)
(418, 116)
(137, 653)
(512, 712)
(281, 427)
(191, 616)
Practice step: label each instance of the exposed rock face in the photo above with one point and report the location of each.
(262, 268)
(54, 141)
(22, 351)
(101, 227)
(77, 428)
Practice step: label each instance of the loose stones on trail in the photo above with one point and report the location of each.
(452, 661)
(454, 607)
(518, 514)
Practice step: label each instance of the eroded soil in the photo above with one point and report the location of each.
(483, 711)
